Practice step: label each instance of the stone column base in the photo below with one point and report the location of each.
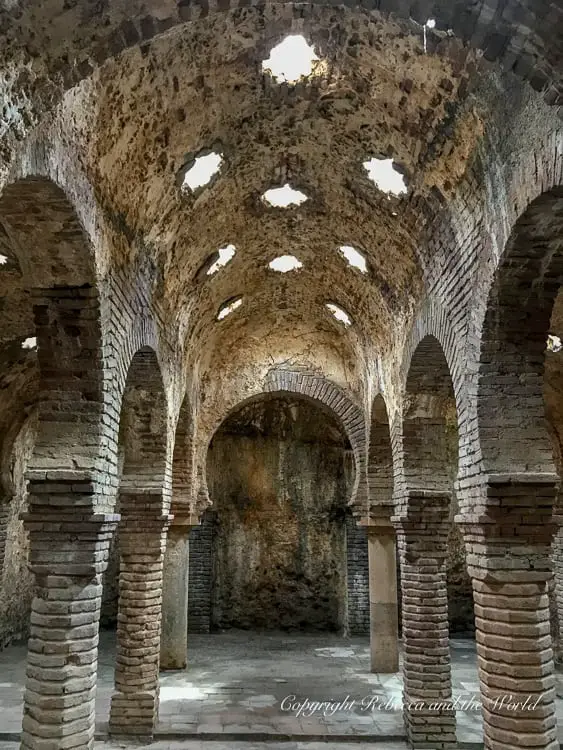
(134, 713)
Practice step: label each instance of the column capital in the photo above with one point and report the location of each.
(73, 545)
(70, 522)
(378, 519)
(183, 517)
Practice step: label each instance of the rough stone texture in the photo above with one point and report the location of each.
(103, 106)
(16, 590)
(278, 483)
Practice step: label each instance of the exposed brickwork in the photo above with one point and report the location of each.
(449, 324)
(508, 556)
(142, 541)
(68, 556)
(134, 705)
(341, 404)
(201, 574)
(422, 542)
(357, 574)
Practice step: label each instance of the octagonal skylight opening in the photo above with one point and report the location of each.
(30, 342)
(225, 255)
(291, 60)
(340, 314)
(355, 258)
(202, 171)
(554, 343)
(3, 259)
(285, 263)
(228, 307)
(284, 196)
(385, 176)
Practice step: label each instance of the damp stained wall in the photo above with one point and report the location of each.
(277, 477)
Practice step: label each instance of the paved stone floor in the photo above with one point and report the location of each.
(210, 745)
(266, 688)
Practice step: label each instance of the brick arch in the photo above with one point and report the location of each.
(143, 427)
(511, 424)
(516, 35)
(380, 456)
(435, 321)
(144, 503)
(322, 391)
(428, 407)
(423, 523)
(184, 482)
(51, 293)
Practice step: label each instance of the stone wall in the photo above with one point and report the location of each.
(277, 479)
(16, 588)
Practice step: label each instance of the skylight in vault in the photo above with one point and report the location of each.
(284, 196)
(285, 263)
(29, 343)
(354, 257)
(229, 307)
(225, 254)
(340, 314)
(554, 343)
(385, 176)
(290, 60)
(202, 171)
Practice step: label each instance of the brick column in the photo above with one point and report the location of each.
(422, 534)
(174, 639)
(508, 559)
(68, 555)
(384, 629)
(142, 541)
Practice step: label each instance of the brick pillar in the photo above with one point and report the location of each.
(142, 541)
(422, 534)
(508, 559)
(174, 639)
(68, 554)
(384, 628)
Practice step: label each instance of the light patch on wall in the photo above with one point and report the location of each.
(284, 196)
(340, 314)
(229, 307)
(430, 24)
(385, 176)
(3, 259)
(554, 343)
(290, 60)
(285, 263)
(354, 257)
(202, 171)
(226, 254)
(30, 342)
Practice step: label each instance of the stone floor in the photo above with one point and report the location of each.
(266, 688)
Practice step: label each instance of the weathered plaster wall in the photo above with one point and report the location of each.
(278, 483)
(16, 589)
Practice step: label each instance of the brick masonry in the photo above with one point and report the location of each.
(479, 236)
(201, 575)
(357, 574)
